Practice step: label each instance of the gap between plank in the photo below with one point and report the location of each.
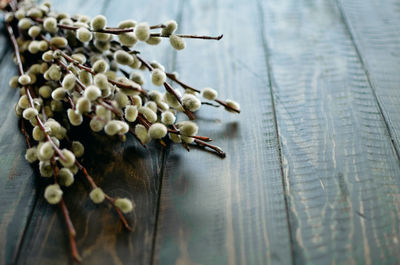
(369, 78)
(271, 90)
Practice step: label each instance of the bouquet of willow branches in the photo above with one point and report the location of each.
(73, 69)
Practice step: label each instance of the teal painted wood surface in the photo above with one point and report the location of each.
(312, 171)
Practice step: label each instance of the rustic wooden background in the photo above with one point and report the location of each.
(312, 174)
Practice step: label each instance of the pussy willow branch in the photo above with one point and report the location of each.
(109, 198)
(117, 31)
(186, 86)
(169, 89)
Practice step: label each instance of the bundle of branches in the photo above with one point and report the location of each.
(73, 69)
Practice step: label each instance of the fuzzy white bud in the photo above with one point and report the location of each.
(121, 99)
(97, 195)
(232, 104)
(83, 105)
(45, 169)
(69, 158)
(131, 113)
(209, 93)
(34, 31)
(24, 79)
(157, 131)
(30, 154)
(47, 56)
(74, 118)
(176, 138)
(85, 77)
(29, 113)
(98, 22)
(59, 42)
(37, 134)
(100, 66)
(101, 81)
(53, 194)
(50, 24)
(142, 31)
(171, 100)
(79, 57)
(141, 133)
(149, 114)
(24, 23)
(122, 57)
(127, 39)
(137, 78)
(158, 77)
(46, 151)
(96, 124)
(154, 40)
(127, 24)
(59, 93)
(92, 93)
(191, 102)
(77, 148)
(69, 82)
(170, 27)
(177, 42)
(23, 102)
(168, 118)
(66, 177)
(112, 127)
(83, 34)
(125, 205)
(188, 128)
(137, 101)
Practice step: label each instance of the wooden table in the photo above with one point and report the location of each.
(312, 174)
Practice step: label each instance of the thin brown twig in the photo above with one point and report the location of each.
(25, 133)
(218, 150)
(71, 231)
(182, 84)
(189, 36)
(223, 103)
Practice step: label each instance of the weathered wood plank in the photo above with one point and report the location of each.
(124, 169)
(17, 185)
(340, 166)
(228, 211)
(374, 26)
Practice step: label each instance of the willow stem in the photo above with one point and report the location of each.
(189, 36)
(71, 231)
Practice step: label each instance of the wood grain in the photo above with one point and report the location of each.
(340, 166)
(121, 169)
(228, 211)
(374, 27)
